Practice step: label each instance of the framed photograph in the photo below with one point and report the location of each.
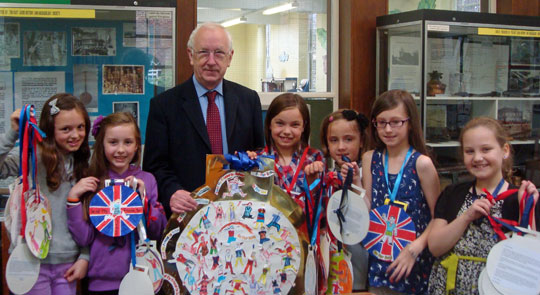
(127, 106)
(42, 48)
(525, 52)
(93, 41)
(123, 79)
(524, 81)
(10, 43)
(85, 85)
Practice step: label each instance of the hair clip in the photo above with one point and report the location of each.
(97, 125)
(331, 119)
(54, 109)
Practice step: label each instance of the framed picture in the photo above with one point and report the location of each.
(44, 48)
(127, 106)
(525, 52)
(93, 41)
(524, 81)
(123, 79)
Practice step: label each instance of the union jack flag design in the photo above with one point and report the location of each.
(116, 210)
(390, 230)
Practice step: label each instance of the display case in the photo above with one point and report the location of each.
(460, 65)
(114, 58)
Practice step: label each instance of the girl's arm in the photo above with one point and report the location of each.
(312, 170)
(81, 230)
(157, 220)
(366, 176)
(357, 179)
(429, 181)
(9, 157)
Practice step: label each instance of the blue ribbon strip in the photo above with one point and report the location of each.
(529, 203)
(393, 193)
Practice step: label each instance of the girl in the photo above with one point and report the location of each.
(286, 130)
(458, 227)
(117, 152)
(343, 134)
(400, 153)
(63, 160)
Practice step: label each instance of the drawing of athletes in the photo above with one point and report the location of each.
(156, 274)
(391, 230)
(239, 252)
(274, 222)
(236, 286)
(260, 218)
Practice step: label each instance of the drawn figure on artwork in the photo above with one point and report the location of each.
(213, 244)
(217, 289)
(262, 278)
(228, 261)
(283, 276)
(203, 285)
(239, 252)
(182, 259)
(154, 263)
(189, 278)
(391, 229)
(203, 247)
(195, 235)
(276, 288)
(233, 186)
(237, 286)
(253, 285)
(33, 234)
(250, 262)
(204, 220)
(260, 218)
(247, 212)
(287, 263)
(215, 262)
(262, 236)
(231, 237)
(219, 212)
(232, 215)
(274, 222)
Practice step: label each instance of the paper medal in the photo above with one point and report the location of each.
(136, 282)
(390, 231)
(12, 213)
(116, 210)
(147, 255)
(340, 280)
(310, 275)
(356, 216)
(38, 231)
(513, 265)
(22, 269)
(485, 287)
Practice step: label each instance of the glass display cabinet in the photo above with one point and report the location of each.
(460, 65)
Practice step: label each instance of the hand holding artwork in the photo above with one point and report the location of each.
(181, 202)
(87, 184)
(140, 185)
(356, 172)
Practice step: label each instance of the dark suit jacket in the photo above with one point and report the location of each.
(177, 141)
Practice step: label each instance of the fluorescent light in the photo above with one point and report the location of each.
(234, 21)
(281, 8)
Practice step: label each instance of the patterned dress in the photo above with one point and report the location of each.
(285, 174)
(411, 192)
(477, 241)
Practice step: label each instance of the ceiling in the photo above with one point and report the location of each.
(219, 11)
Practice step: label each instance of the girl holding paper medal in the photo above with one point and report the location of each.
(63, 159)
(402, 181)
(116, 155)
(461, 237)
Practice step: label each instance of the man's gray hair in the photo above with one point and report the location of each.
(212, 26)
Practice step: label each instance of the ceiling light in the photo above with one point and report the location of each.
(234, 21)
(281, 8)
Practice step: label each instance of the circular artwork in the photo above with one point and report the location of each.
(240, 246)
(116, 210)
(22, 269)
(485, 287)
(390, 230)
(12, 212)
(38, 230)
(356, 215)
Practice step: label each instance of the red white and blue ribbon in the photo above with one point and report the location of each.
(116, 210)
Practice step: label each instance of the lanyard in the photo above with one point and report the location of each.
(394, 192)
(313, 223)
(495, 192)
(296, 172)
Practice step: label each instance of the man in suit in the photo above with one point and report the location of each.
(184, 124)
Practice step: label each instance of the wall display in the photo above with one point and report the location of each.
(6, 100)
(85, 85)
(124, 79)
(240, 240)
(113, 54)
(93, 41)
(405, 60)
(127, 106)
(43, 48)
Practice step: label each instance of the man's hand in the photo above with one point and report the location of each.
(181, 202)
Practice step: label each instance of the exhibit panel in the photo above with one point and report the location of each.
(114, 58)
(461, 65)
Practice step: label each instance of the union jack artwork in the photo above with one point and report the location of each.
(390, 230)
(116, 210)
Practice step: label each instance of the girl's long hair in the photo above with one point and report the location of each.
(392, 99)
(99, 165)
(51, 157)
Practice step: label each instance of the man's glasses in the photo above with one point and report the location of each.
(393, 123)
(205, 54)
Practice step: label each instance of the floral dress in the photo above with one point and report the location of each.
(410, 191)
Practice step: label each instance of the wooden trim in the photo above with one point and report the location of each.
(186, 21)
(519, 7)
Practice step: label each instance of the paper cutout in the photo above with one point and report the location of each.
(22, 269)
(136, 282)
(390, 231)
(340, 280)
(356, 217)
(38, 231)
(146, 255)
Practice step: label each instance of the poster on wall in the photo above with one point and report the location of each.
(6, 101)
(404, 64)
(123, 79)
(36, 87)
(41, 48)
(133, 36)
(93, 41)
(127, 106)
(10, 43)
(85, 85)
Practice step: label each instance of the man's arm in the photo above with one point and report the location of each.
(258, 133)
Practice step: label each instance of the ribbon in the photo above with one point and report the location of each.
(242, 162)
(393, 193)
(313, 222)
(526, 212)
(296, 172)
(344, 196)
(450, 263)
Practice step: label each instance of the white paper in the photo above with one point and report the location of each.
(6, 100)
(443, 57)
(404, 63)
(484, 62)
(518, 269)
(36, 87)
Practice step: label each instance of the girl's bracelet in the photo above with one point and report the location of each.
(72, 200)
